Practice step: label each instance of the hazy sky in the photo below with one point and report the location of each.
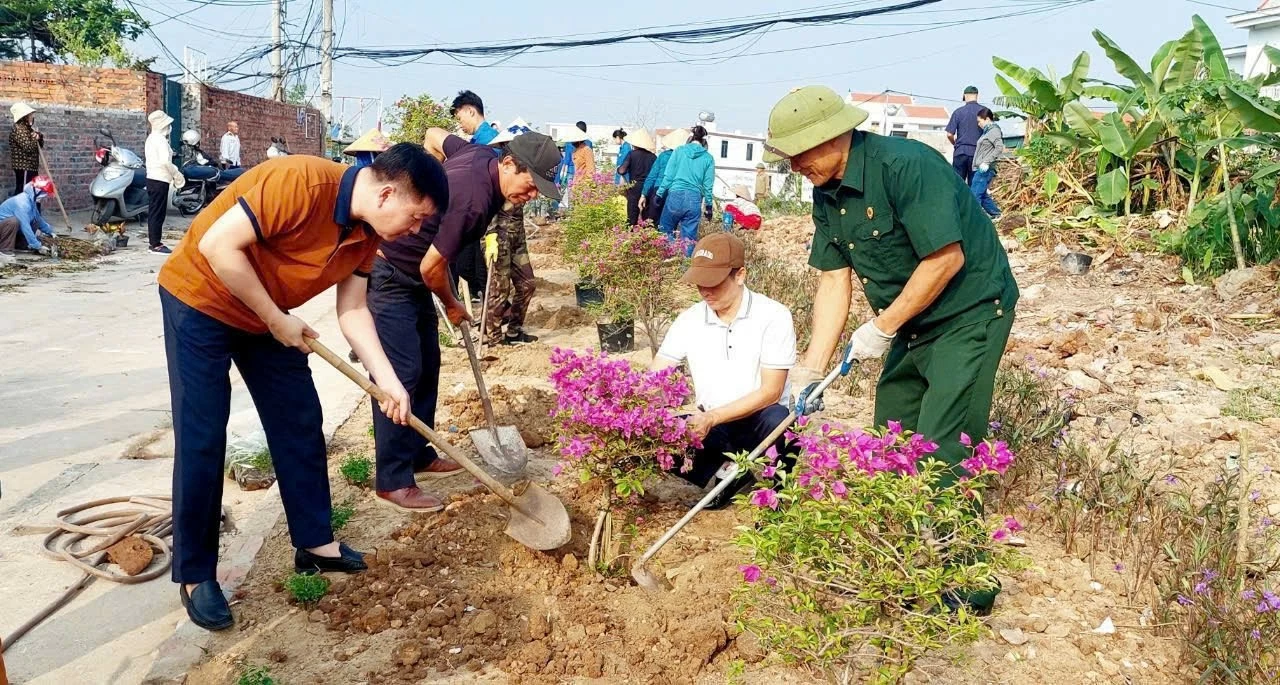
(923, 51)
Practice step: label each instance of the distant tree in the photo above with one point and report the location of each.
(296, 94)
(410, 117)
(89, 32)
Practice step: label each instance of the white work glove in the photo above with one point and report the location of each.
(803, 381)
(984, 168)
(868, 342)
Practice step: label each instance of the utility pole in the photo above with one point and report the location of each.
(326, 64)
(277, 50)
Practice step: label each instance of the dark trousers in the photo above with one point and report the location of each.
(200, 350)
(470, 267)
(653, 206)
(9, 230)
(633, 202)
(406, 320)
(157, 207)
(743, 435)
(962, 162)
(21, 177)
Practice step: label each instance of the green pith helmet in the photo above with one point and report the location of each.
(806, 118)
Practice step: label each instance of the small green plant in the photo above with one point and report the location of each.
(733, 675)
(369, 430)
(444, 339)
(855, 556)
(357, 469)
(341, 514)
(593, 209)
(307, 588)
(256, 675)
(1253, 404)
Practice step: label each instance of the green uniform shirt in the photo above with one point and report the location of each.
(899, 202)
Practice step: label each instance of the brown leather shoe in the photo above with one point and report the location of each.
(442, 467)
(411, 499)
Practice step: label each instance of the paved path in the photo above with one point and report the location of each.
(84, 383)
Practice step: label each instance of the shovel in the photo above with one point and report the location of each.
(538, 520)
(500, 446)
(654, 582)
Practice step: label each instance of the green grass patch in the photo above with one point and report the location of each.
(357, 469)
(1253, 404)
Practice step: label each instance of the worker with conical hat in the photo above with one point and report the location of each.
(891, 212)
(367, 146)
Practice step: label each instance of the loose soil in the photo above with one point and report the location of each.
(449, 598)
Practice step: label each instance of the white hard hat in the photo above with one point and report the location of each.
(191, 137)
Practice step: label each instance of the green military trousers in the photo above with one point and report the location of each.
(943, 387)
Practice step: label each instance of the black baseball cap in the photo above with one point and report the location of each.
(542, 156)
(971, 90)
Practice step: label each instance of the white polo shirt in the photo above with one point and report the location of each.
(725, 360)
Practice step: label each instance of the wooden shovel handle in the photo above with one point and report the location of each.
(423, 429)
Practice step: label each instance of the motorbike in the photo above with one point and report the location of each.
(278, 148)
(119, 190)
(204, 180)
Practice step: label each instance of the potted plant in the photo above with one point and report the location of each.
(638, 270)
(618, 425)
(594, 206)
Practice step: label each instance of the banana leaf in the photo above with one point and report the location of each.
(1252, 114)
(1161, 61)
(1114, 136)
(1214, 59)
(1072, 82)
(1113, 186)
(1021, 75)
(1187, 56)
(1125, 65)
(1081, 120)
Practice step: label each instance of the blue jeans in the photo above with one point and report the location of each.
(683, 211)
(200, 350)
(981, 181)
(405, 316)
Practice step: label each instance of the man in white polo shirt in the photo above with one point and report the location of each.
(739, 346)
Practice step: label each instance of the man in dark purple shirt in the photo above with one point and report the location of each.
(407, 273)
(963, 132)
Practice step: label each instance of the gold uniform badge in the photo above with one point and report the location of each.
(871, 213)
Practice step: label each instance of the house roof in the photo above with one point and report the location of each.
(887, 98)
(926, 112)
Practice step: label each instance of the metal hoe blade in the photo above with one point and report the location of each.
(538, 520)
(501, 447)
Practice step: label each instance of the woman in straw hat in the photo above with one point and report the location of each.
(162, 174)
(24, 145)
(637, 167)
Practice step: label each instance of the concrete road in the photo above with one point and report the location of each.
(85, 394)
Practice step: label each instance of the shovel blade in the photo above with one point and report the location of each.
(501, 447)
(649, 579)
(539, 520)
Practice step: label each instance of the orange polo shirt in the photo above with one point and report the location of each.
(300, 207)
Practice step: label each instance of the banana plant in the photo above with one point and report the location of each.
(1038, 95)
(1114, 144)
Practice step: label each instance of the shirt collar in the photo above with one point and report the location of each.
(744, 310)
(855, 169)
(342, 209)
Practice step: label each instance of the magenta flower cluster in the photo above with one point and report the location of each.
(988, 457)
(628, 254)
(612, 415)
(595, 189)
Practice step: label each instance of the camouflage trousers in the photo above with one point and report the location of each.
(512, 289)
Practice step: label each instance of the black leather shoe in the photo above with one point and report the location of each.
(351, 561)
(207, 607)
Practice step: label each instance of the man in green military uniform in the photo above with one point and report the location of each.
(894, 212)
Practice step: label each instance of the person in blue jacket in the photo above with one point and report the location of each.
(566, 165)
(624, 149)
(22, 211)
(650, 206)
(686, 189)
(468, 110)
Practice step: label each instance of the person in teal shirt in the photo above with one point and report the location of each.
(468, 110)
(686, 189)
(624, 149)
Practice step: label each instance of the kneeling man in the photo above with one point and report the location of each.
(739, 346)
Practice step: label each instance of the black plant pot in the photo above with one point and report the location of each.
(122, 240)
(618, 336)
(587, 294)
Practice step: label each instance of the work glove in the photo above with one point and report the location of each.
(868, 342)
(490, 249)
(804, 381)
(984, 168)
(706, 212)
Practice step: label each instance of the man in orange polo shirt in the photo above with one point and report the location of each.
(281, 234)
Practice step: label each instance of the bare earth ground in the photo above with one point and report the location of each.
(450, 599)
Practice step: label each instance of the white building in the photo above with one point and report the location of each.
(736, 155)
(1263, 26)
(894, 115)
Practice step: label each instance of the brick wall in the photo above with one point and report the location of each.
(260, 119)
(72, 104)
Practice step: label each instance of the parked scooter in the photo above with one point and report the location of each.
(119, 190)
(278, 148)
(204, 180)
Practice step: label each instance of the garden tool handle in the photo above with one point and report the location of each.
(484, 306)
(688, 516)
(475, 368)
(417, 424)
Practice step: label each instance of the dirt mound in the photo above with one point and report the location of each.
(459, 600)
(532, 361)
(558, 318)
(528, 409)
(545, 287)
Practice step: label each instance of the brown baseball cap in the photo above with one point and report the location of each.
(713, 258)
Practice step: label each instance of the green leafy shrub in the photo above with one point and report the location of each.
(307, 588)
(357, 469)
(855, 556)
(341, 514)
(256, 675)
(774, 206)
(638, 269)
(595, 207)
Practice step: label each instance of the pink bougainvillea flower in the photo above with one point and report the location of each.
(966, 440)
(750, 572)
(557, 469)
(765, 498)
(769, 471)
(772, 453)
(895, 427)
(999, 535)
(839, 489)
(1012, 524)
